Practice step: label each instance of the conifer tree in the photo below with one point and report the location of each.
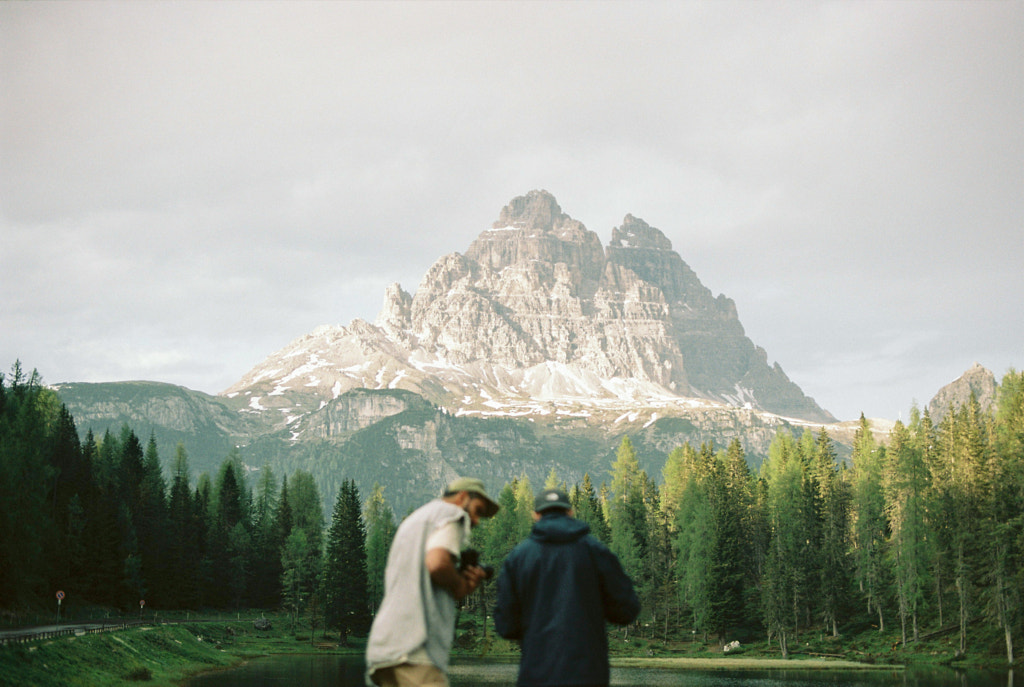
(784, 586)
(960, 486)
(832, 500)
(905, 482)
(1004, 509)
(296, 573)
(69, 483)
(500, 534)
(345, 583)
(380, 531)
(731, 499)
(130, 498)
(869, 524)
(24, 478)
(152, 524)
(524, 506)
(626, 511)
(307, 515)
(553, 482)
(587, 507)
(266, 565)
(694, 549)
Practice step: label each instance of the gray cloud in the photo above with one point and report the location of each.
(187, 186)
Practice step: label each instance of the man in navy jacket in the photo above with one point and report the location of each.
(555, 593)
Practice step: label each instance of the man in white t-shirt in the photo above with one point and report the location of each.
(412, 633)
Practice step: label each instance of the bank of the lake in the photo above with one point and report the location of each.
(169, 655)
(334, 670)
(748, 663)
(155, 655)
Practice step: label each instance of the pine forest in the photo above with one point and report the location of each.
(921, 533)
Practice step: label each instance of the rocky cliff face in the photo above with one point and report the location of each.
(206, 425)
(977, 380)
(537, 310)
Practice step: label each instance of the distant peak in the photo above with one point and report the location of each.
(636, 233)
(536, 210)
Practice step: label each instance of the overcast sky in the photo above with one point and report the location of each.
(185, 187)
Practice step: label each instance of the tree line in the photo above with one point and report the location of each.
(98, 520)
(924, 531)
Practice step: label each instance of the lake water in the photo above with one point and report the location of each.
(347, 671)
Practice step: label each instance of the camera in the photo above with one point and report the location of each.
(471, 558)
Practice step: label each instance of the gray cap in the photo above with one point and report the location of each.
(551, 498)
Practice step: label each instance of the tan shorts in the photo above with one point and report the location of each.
(409, 675)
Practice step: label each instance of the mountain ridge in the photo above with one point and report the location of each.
(537, 349)
(538, 309)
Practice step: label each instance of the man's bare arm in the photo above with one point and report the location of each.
(443, 573)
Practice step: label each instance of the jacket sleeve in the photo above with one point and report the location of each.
(508, 611)
(621, 604)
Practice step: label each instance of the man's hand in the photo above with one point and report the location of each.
(473, 576)
(444, 573)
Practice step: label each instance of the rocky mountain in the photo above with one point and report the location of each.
(413, 447)
(538, 317)
(536, 349)
(977, 380)
(207, 426)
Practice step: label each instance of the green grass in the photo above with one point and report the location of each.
(159, 655)
(167, 655)
(864, 645)
(162, 655)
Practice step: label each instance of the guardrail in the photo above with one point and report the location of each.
(35, 634)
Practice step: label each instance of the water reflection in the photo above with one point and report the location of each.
(347, 671)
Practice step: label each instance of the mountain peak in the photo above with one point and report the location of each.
(636, 233)
(976, 380)
(537, 309)
(537, 210)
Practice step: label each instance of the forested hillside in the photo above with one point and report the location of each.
(925, 531)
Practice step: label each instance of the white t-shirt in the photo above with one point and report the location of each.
(451, 536)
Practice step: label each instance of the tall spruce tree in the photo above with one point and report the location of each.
(626, 511)
(587, 507)
(784, 586)
(694, 550)
(500, 534)
(345, 580)
(152, 524)
(380, 531)
(308, 515)
(182, 537)
(25, 475)
(731, 498)
(905, 482)
(1004, 510)
(868, 523)
(266, 565)
(833, 504)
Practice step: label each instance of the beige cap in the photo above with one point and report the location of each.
(476, 487)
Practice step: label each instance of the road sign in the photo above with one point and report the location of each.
(142, 603)
(60, 596)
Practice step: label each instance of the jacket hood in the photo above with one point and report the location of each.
(558, 528)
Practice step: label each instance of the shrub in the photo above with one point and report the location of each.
(139, 674)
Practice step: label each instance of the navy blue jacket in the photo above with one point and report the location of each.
(555, 592)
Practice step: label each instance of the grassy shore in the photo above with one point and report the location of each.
(168, 655)
(746, 663)
(158, 655)
(859, 648)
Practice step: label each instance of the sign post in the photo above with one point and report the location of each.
(60, 597)
(142, 603)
